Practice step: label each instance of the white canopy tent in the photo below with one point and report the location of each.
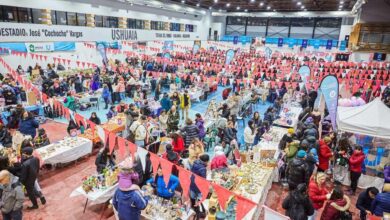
(372, 119)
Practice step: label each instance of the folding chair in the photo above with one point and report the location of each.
(94, 101)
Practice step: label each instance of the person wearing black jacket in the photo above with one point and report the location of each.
(364, 201)
(297, 204)
(30, 169)
(229, 133)
(103, 160)
(298, 170)
(5, 136)
(94, 118)
(225, 111)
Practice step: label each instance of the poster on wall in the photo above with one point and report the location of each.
(304, 43)
(280, 42)
(229, 56)
(329, 44)
(196, 47)
(39, 47)
(235, 40)
(101, 48)
(168, 46)
(109, 45)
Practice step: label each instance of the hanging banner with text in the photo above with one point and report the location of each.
(15, 32)
(39, 47)
(330, 89)
(229, 56)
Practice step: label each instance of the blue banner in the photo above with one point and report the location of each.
(291, 42)
(101, 48)
(64, 46)
(229, 56)
(280, 42)
(343, 45)
(304, 43)
(317, 44)
(330, 89)
(304, 72)
(235, 39)
(329, 44)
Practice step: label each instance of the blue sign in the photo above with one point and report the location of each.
(110, 45)
(304, 71)
(329, 44)
(343, 45)
(317, 44)
(304, 43)
(280, 42)
(168, 46)
(229, 56)
(235, 39)
(330, 89)
(291, 42)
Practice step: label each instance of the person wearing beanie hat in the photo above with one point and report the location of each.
(298, 170)
(324, 155)
(199, 168)
(27, 151)
(286, 139)
(290, 131)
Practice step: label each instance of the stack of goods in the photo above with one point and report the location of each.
(10, 153)
(62, 145)
(90, 136)
(162, 209)
(100, 182)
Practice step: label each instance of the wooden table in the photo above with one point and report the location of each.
(113, 126)
(89, 135)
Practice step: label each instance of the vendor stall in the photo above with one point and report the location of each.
(65, 151)
(116, 124)
(37, 110)
(288, 117)
(94, 137)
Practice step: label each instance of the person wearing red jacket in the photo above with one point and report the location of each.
(337, 204)
(318, 193)
(355, 166)
(177, 143)
(325, 154)
(219, 161)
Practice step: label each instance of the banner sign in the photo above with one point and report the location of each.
(235, 39)
(229, 56)
(291, 42)
(280, 42)
(343, 45)
(304, 43)
(329, 44)
(101, 48)
(39, 47)
(18, 32)
(346, 39)
(304, 71)
(317, 44)
(109, 45)
(168, 46)
(268, 53)
(196, 47)
(330, 89)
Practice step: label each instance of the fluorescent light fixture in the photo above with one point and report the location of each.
(253, 1)
(268, 7)
(302, 6)
(238, 8)
(182, 1)
(197, 5)
(261, 3)
(274, 10)
(246, 10)
(220, 10)
(215, 1)
(227, 4)
(299, 3)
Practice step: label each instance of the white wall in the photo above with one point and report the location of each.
(118, 9)
(345, 30)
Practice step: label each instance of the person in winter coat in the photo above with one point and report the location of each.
(199, 168)
(111, 113)
(177, 143)
(106, 95)
(173, 119)
(41, 140)
(185, 104)
(5, 136)
(171, 155)
(337, 204)
(121, 88)
(381, 202)
(94, 118)
(325, 154)
(12, 196)
(69, 101)
(29, 174)
(229, 133)
(103, 160)
(298, 170)
(190, 132)
(291, 151)
(195, 150)
(28, 125)
(355, 166)
(129, 203)
(165, 102)
(163, 190)
(318, 193)
(286, 139)
(386, 173)
(199, 122)
(297, 203)
(249, 135)
(219, 160)
(364, 202)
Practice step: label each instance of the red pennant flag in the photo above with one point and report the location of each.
(78, 63)
(83, 64)
(185, 181)
(112, 141)
(155, 162)
(122, 147)
(132, 147)
(25, 55)
(88, 64)
(44, 98)
(166, 167)
(203, 186)
(32, 55)
(222, 194)
(55, 59)
(68, 62)
(79, 119)
(243, 207)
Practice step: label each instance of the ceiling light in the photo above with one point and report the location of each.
(268, 7)
(261, 3)
(246, 10)
(215, 1)
(253, 1)
(227, 4)
(341, 2)
(302, 6)
(197, 5)
(299, 3)
(210, 8)
(339, 9)
(182, 1)
(340, 6)
(274, 10)
(238, 8)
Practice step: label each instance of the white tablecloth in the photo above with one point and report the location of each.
(97, 196)
(195, 94)
(66, 154)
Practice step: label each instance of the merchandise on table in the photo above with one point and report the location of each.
(163, 209)
(288, 117)
(116, 124)
(90, 136)
(102, 181)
